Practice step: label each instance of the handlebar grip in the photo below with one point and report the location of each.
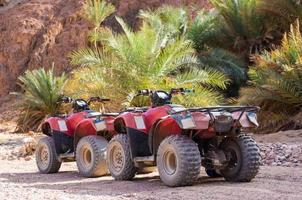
(91, 99)
(181, 91)
(65, 100)
(104, 99)
(189, 90)
(144, 92)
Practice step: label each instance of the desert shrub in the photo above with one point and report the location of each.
(42, 89)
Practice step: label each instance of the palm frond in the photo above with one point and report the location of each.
(276, 78)
(206, 77)
(96, 11)
(42, 90)
(87, 57)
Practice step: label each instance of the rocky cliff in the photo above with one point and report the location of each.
(36, 33)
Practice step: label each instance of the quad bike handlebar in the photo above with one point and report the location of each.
(97, 99)
(181, 91)
(91, 99)
(65, 100)
(173, 91)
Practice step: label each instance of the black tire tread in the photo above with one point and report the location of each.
(251, 159)
(189, 156)
(129, 170)
(54, 164)
(96, 142)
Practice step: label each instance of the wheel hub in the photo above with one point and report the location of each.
(117, 158)
(86, 155)
(169, 164)
(44, 156)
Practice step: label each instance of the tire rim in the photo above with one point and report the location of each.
(44, 156)
(86, 156)
(169, 162)
(117, 158)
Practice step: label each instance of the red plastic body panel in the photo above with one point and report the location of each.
(167, 127)
(149, 118)
(73, 120)
(87, 127)
(129, 119)
(77, 123)
(201, 120)
(53, 122)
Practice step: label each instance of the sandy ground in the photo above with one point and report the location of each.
(20, 180)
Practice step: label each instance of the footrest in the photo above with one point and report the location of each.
(67, 155)
(144, 159)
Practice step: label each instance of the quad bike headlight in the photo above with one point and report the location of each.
(223, 122)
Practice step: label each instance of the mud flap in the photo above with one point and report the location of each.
(63, 142)
(138, 143)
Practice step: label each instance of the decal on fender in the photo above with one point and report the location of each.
(139, 122)
(187, 123)
(62, 125)
(100, 125)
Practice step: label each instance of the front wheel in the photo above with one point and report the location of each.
(46, 156)
(178, 161)
(119, 159)
(91, 156)
(243, 155)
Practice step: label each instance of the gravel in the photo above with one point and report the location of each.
(281, 154)
(280, 177)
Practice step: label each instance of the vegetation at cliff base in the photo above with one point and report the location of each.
(42, 89)
(245, 51)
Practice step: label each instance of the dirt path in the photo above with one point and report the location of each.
(20, 180)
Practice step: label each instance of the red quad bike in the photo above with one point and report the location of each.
(82, 136)
(179, 141)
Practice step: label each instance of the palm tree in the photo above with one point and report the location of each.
(234, 25)
(96, 11)
(276, 80)
(214, 53)
(42, 89)
(281, 12)
(155, 57)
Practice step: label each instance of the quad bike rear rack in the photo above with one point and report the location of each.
(229, 109)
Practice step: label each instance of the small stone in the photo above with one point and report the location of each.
(27, 158)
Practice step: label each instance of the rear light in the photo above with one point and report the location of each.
(223, 122)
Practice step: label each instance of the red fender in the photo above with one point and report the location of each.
(130, 120)
(163, 128)
(54, 123)
(87, 127)
(84, 128)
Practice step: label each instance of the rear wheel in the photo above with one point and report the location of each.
(46, 156)
(91, 156)
(243, 157)
(119, 159)
(178, 161)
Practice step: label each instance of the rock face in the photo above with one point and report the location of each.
(37, 33)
